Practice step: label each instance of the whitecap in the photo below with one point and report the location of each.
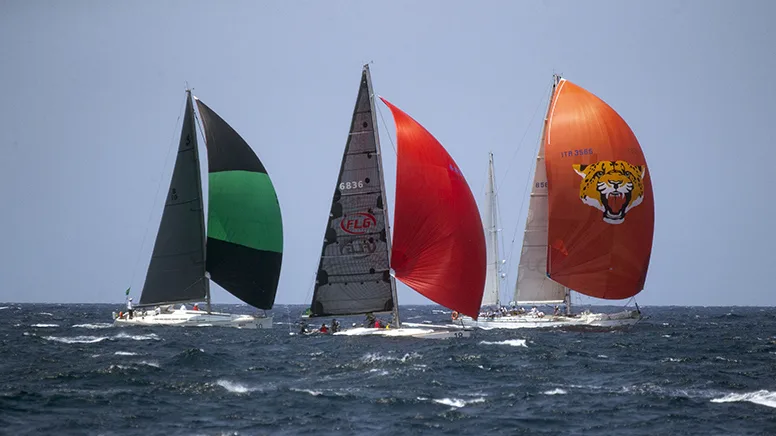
(235, 388)
(148, 337)
(125, 353)
(761, 397)
(308, 391)
(76, 339)
(377, 357)
(556, 391)
(510, 342)
(44, 325)
(453, 402)
(93, 339)
(99, 325)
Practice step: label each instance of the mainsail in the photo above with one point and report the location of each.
(601, 207)
(354, 274)
(533, 286)
(176, 272)
(245, 230)
(492, 276)
(439, 243)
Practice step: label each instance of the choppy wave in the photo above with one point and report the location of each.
(170, 380)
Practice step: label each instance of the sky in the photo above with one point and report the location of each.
(92, 93)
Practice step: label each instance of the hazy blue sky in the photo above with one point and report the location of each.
(91, 91)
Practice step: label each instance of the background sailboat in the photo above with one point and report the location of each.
(590, 173)
(242, 247)
(438, 246)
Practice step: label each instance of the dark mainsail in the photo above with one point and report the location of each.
(176, 272)
(354, 272)
(245, 231)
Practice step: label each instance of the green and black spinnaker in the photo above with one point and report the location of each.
(244, 228)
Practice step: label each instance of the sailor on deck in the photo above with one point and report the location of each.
(130, 310)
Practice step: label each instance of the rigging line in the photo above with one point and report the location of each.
(528, 127)
(156, 196)
(379, 111)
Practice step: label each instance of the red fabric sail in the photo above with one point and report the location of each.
(601, 208)
(438, 240)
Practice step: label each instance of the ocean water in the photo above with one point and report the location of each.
(682, 371)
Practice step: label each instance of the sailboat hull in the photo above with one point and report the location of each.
(606, 320)
(194, 318)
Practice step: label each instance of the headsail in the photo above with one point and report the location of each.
(176, 272)
(354, 274)
(601, 211)
(439, 243)
(245, 230)
(533, 286)
(492, 277)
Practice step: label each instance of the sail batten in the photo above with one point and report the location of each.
(245, 231)
(353, 272)
(439, 242)
(601, 206)
(177, 268)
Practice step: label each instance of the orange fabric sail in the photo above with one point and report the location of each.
(601, 208)
(438, 240)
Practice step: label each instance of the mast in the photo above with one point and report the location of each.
(206, 277)
(492, 281)
(396, 321)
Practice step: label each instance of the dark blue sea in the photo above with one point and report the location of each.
(683, 371)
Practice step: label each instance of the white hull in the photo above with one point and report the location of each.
(194, 318)
(528, 321)
(423, 333)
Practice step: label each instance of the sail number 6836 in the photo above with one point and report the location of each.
(351, 185)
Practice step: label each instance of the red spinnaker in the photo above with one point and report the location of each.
(438, 239)
(600, 197)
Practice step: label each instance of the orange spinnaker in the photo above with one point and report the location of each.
(601, 206)
(438, 240)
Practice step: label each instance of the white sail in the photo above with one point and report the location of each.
(533, 286)
(492, 277)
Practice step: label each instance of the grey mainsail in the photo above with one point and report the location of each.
(354, 272)
(176, 272)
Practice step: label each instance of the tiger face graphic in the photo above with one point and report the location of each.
(613, 187)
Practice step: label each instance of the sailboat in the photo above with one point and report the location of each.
(438, 246)
(241, 249)
(590, 218)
